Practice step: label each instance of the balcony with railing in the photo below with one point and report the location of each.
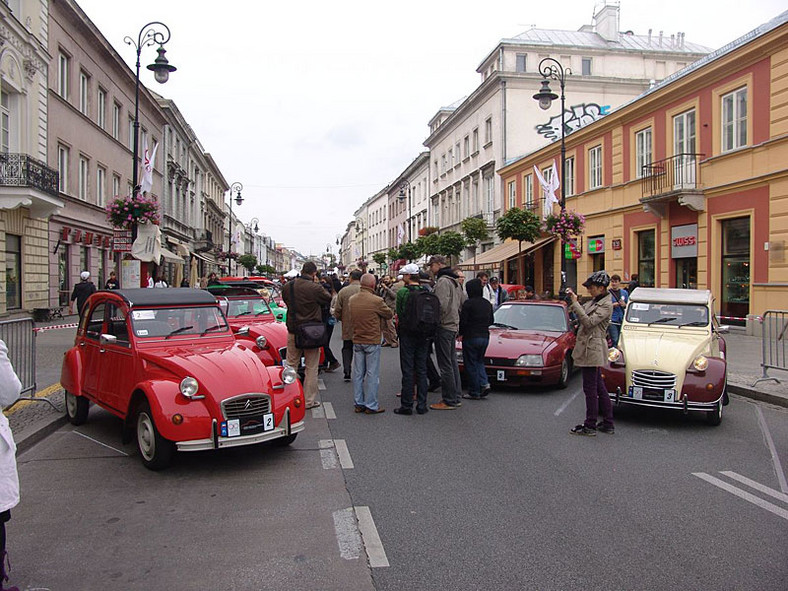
(27, 182)
(676, 177)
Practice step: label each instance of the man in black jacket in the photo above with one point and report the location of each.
(305, 299)
(476, 316)
(82, 291)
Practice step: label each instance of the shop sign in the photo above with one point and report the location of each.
(596, 245)
(684, 241)
(77, 236)
(572, 249)
(64, 232)
(615, 244)
(121, 241)
(88, 239)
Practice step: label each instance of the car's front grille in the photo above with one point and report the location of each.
(501, 361)
(653, 379)
(251, 405)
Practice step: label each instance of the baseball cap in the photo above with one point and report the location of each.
(410, 269)
(84, 275)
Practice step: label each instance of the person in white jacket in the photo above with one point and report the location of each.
(10, 388)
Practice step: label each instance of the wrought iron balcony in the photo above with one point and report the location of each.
(672, 176)
(21, 170)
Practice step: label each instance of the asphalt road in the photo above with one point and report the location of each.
(495, 495)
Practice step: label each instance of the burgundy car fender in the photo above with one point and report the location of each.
(696, 383)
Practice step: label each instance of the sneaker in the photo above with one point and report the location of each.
(485, 390)
(583, 430)
(333, 366)
(423, 410)
(403, 411)
(610, 430)
(471, 397)
(347, 378)
(369, 411)
(359, 409)
(443, 406)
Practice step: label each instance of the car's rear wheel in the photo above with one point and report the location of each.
(285, 441)
(76, 408)
(714, 417)
(566, 369)
(155, 450)
(725, 398)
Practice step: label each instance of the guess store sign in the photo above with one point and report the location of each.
(77, 236)
(684, 241)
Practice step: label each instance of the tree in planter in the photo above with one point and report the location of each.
(409, 251)
(522, 225)
(475, 231)
(393, 254)
(248, 262)
(450, 244)
(265, 270)
(428, 245)
(379, 258)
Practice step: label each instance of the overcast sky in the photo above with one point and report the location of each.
(315, 106)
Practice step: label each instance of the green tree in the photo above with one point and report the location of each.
(429, 244)
(409, 251)
(379, 257)
(475, 230)
(265, 269)
(522, 225)
(393, 254)
(450, 244)
(248, 261)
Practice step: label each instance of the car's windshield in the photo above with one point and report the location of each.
(164, 322)
(247, 307)
(667, 314)
(532, 317)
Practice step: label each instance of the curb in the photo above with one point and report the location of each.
(39, 431)
(758, 395)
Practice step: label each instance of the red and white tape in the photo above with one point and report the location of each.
(55, 327)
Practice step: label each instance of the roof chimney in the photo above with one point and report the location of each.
(606, 23)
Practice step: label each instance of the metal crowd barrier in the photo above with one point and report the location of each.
(774, 343)
(20, 338)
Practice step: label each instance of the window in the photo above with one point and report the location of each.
(466, 146)
(489, 197)
(595, 167)
(521, 61)
(5, 122)
(62, 75)
(528, 191)
(116, 121)
(115, 185)
(586, 66)
(62, 168)
(457, 157)
(443, 163)
(436, 167)
(642, 152)
(101, 107)
(488, 131)
(451, 158)
(13, 272)
(569, 176)
(646, 253)
(475, 196)
(101, 181)
(475, 140)
(131, 133)
(734, 119)
(512, 189)
(82, 192)
(83, 93)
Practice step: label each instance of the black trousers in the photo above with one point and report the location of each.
(347, 357)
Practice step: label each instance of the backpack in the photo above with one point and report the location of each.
(422, 313)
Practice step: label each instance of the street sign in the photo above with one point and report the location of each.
(121, 241)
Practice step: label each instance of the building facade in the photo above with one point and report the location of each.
(687, 186)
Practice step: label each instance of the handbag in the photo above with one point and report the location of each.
(308, 335)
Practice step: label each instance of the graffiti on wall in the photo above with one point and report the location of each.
(575, 117)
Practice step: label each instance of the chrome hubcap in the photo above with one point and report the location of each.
(145, 438)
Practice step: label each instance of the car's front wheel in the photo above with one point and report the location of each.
(285, 441)
(714, 417)
(76, 408)
(155, 450)
(566, 368)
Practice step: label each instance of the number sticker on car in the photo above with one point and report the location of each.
(501, 375)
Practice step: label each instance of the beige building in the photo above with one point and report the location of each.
(28, 187)
(408, 199)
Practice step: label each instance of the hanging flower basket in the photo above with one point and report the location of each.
(126, 212)
(567, 224)
(223, 256)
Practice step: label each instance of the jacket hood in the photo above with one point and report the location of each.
(473, 287)
(446, 271)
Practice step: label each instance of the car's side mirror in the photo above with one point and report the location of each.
(723, 329)
(108, 339)
(243, 331)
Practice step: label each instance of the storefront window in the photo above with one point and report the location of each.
(63, 279)
(646, 252)
(735, 301)
(687, 273)
(84, 265)
(13, 272)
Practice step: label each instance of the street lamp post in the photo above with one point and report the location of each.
(404, 190)
(551, 68)
(237, 187)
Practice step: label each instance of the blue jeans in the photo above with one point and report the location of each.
(473, 350)
(413, 352)
(615, 331)
(366, 375)
(451, 387)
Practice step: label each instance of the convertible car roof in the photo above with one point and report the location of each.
(666, 295)
(173, 296)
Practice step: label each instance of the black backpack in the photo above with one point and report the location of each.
(422, 313)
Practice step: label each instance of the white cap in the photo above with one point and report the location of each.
(84, 275)
(410, 269)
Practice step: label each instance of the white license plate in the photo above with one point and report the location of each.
(636, 392)
(501, 375)
(234, 425)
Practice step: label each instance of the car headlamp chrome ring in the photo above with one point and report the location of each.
(289, 375)
(189, 388)
(261, 341)
(701, 363)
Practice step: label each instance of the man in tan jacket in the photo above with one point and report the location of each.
(367, 311)
(342, 313)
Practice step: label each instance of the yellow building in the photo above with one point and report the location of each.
(685, 186)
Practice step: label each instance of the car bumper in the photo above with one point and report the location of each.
(522, 376)
(685, 405)
(218, 442)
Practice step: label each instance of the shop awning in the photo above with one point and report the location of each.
(203, 257)
(170, 256)
(496, 256)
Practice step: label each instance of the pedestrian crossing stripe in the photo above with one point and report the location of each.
(747, 496)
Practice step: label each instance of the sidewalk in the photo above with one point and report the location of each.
(32, 421)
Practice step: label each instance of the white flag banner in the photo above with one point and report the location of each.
(147, 167)
(400, 234)
(147, 246)
(549, 187)
(237, 235)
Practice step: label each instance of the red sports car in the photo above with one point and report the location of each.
(166, 362)
(531, 343)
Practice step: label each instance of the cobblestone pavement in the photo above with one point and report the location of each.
(32, 420)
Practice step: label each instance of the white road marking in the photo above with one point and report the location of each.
(330, 414)
(123, 453)
(779, 511)
(369, 535)
(318, 412)
(566, 404)
(321, 385)
(328, 456)
(344, 455)
(778, 468)
(348, 536)
(757, 486)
